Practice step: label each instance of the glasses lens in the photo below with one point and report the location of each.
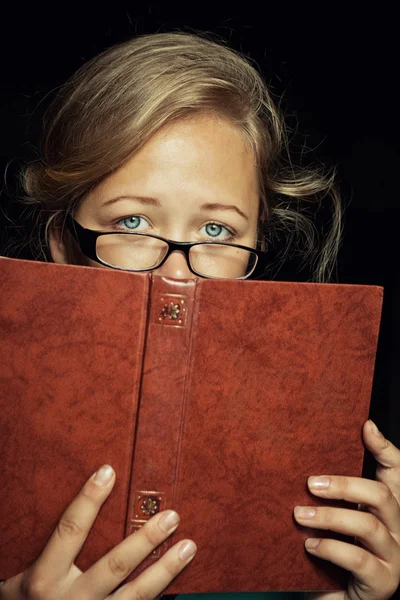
(222, 262)
(136, 252)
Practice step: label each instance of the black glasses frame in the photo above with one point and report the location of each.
(86, 239)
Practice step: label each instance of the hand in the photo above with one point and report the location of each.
(54, 575)
(375, 563)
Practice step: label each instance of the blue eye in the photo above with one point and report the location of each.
(134, 221)
(214, 230)
(220, 232)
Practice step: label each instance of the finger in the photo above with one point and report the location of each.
(375, 495)
(387, 456)
(365, 567)
(72, 529)
(108, 572)
(155, 579)
(365, 526)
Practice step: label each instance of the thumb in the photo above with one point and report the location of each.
(385, 453)
(387, 456)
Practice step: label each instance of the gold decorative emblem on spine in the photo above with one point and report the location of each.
(171, 310)
(150, 506)
(146, 504)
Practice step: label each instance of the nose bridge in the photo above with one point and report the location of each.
(176, 267)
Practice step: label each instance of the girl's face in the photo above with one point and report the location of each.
(194, 180)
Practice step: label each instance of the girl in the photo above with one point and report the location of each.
(176, 138)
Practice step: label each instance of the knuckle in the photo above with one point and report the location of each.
(141, 594)
(385, 494)
(372, 526)
(118, 566)
(35, 587)
(361, 560)
(68, 527)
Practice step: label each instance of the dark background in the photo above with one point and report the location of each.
(337, 72)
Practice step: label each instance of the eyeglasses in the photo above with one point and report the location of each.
(143, 252)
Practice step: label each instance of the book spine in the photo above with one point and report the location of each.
(161, 402)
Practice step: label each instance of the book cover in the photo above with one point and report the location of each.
(215, 398)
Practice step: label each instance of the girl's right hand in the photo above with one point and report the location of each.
(54, 575)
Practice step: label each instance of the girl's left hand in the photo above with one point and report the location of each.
(375, 563)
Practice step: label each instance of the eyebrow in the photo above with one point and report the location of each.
(155, 202)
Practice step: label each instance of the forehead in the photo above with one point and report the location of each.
(201, 155)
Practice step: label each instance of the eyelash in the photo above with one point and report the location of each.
(230, 238)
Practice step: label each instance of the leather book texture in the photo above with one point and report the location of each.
(215, 398)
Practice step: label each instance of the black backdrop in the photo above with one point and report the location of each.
(337, 73)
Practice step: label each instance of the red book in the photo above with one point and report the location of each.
(215, 398)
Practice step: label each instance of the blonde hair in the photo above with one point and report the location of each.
(116, 101)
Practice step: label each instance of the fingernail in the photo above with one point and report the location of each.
(312, 543)
(319, 483)
(104, 475)
(304, 512)
(187, 550)
(374, 429)
(169, 520)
